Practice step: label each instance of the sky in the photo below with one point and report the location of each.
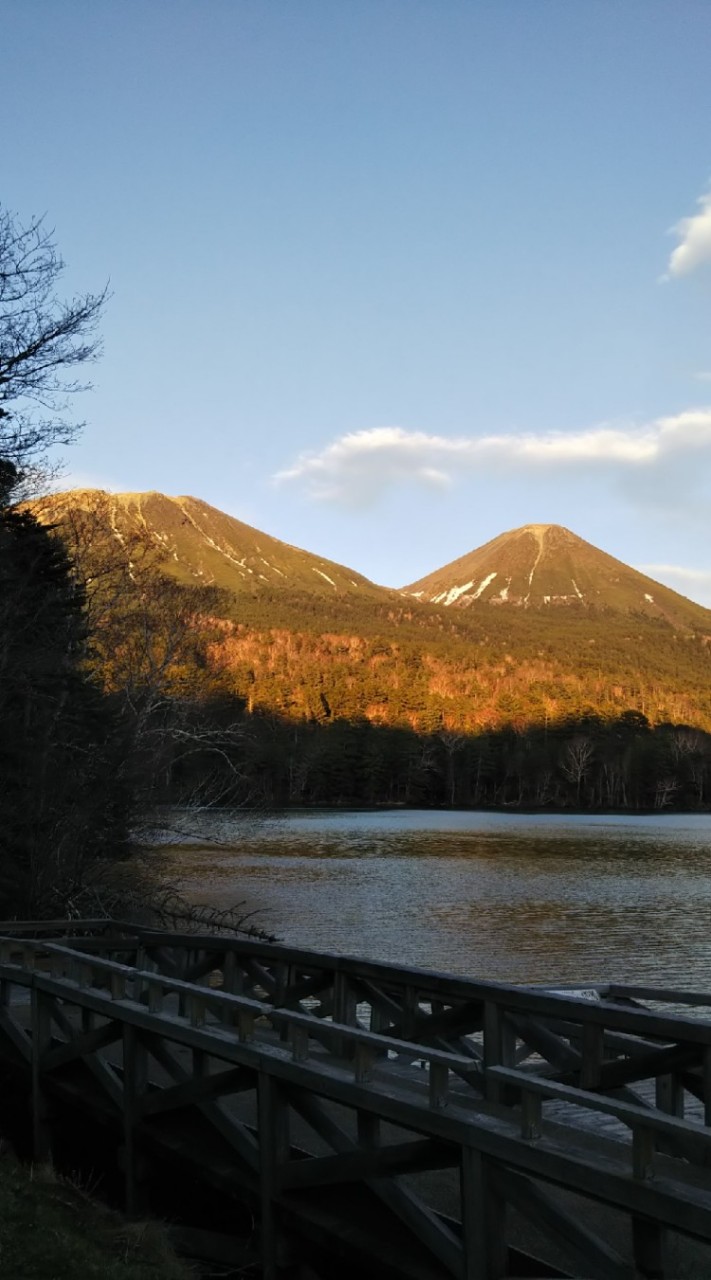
(387, 277)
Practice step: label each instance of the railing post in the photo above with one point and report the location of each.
(273, 1119)
(669, 1097)
(706, 1078)
(648, 1240)
(499, 1047)
(135, 1079)
(410, 1009)
(41, 1039)
(344, 1010)
(232, 974)
(592, 1055)
(648, 1236)
(483, 1220)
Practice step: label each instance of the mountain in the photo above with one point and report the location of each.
(200, 545)
(544, 566)
(536, 627)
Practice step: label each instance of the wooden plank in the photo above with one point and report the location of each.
(81, 1045)
(261, 976)
(102, 1071)
(218, 1084)
(16, 1035)
(205, 964)
(461, 1019)
(432, 985)
(413, 1212)
(693, 1138)
(396, 1159)
(665, 995)
(676, 1058)
(589, 1253)
(305, 989)
(236, 1134)
(545, 1042)
(165, 962)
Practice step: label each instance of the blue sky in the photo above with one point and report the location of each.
(388, 276)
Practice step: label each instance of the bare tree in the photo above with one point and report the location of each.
(42, 340)
(576, 760)
(152, 651)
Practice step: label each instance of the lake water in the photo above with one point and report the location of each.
(511, 897)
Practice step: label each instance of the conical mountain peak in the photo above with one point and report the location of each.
(546, 566)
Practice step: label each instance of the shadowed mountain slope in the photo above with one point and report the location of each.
(203, 546)
(543, 566)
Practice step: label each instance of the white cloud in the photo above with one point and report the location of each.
(695, 583)
(704, 375)
(694, 247)
(358, 468)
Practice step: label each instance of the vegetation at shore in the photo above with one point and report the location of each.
(51, 1229)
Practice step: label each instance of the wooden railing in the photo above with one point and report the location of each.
(316, 1073)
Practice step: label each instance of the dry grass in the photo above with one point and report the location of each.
(51, 1229)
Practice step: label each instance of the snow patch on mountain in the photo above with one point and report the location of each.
(449, 597)
(325, 575)
(483, 585)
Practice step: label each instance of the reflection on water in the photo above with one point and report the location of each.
(510, 897)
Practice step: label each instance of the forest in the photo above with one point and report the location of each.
(580, 764)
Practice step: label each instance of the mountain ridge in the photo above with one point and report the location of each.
(534, 566)
(318, 641)
(204, 545)
(548, 566)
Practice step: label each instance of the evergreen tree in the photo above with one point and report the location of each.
(63, 808)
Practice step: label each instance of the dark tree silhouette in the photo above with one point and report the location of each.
(63, 809)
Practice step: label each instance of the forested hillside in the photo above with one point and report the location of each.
(292, 689)
(479, 673)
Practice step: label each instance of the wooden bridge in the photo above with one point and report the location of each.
(420, 1125)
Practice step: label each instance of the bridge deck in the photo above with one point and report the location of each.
(340, 1096)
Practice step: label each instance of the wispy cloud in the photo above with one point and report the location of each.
(704, 375)
(694, 247)
(360, 467)
(693, 582)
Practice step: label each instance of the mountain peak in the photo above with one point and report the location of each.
(201, 545)
(544, 566)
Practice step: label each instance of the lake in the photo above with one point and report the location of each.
(511, 897)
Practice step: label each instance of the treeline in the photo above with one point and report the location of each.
(105, 689)
(65, 801)
(588, 764)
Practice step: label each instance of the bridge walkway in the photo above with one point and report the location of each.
(407, 1118)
